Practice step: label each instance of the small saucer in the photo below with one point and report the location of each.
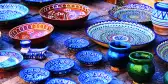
(77, 44)
(60, 66)
(89, 57)
(34, 74)
(60, 81)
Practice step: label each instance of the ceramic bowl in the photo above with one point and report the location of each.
(60, 81)
(37, 32)
(60, 66)
(65, 14)
(38, 2)
(95, 77)
(12, 11)
(139, 13)
(161, 50)
(105, 32)
(34, 75)
(77, 44)
(89, 57)
(9, 59)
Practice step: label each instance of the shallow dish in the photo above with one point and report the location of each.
(132, 13)
(89, 57)
(65, 14)
(95, 77)
(104, 32)
(9, 59)
(34, 74)
(60, 81)
(37, 32)
(60, 65)
(12, 11)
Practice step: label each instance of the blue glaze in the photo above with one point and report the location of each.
(161, 6)
(118, 53)
(41, 1)
(25, 43)
(60, 81)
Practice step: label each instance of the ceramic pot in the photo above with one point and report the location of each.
(141, 68)
(160, 18)
(165, 78)
(118, 54)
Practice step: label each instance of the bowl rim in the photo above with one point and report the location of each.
(68, 79)
(43, 16)
(20, 55)
(31, 24)
(86, 31)
(21, 5)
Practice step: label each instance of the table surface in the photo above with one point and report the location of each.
(57, 49)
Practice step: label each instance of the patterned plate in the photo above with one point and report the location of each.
(60, 65)
(11, 11)
(162, 50)
(95, 77)
(104, 32)
(34, 74)
(60, 81)
(89, 57)
(132, 13)
(9, 59)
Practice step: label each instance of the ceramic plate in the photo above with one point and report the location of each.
(162, 50)
(132, 13)
(104, 32)
(9, 59)
(34, 74)
(95, 77)
(60, 81)
(60, 65)
(89, 56)
(11, 11)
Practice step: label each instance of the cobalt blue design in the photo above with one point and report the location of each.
(60, 81)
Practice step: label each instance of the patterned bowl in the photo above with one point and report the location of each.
(140, 13)
(60, 81)
(9, 59)
(34, 75)
(12, 11)
(105, 32)
(37, 32)
(95, 77)
(161, 50)
(65, 14)
(60, 66)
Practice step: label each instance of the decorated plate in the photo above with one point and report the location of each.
(34, 74)
(95, 77)
(11, 11)
(89, 57)
(104, 32)
(76, 43)
(132, 13)
(9, 59)
(60, 81)
(60, 65)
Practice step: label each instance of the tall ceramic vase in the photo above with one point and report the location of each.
(118, 54)
(160, 18)
(141, 68)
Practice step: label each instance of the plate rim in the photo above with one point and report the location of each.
(61, 79)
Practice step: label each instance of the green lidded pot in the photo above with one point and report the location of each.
(165, 78)
(141, 67)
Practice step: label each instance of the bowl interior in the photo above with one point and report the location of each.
(10, 11)
(64, 11)
(31, 31)
(9, 58)
(162, 50)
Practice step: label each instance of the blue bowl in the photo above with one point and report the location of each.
(34, 74)
(60, 81)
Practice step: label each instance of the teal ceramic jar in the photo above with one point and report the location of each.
(165, 78)
(118, 54)
(141, 67)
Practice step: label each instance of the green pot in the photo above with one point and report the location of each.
(141, 68)
(165, 78)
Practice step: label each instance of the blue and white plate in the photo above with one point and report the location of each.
(9, 59)
(34, 74)
(60, 81)
(89, 57)
(95, 77)
(132, 13)
(105, 32)
(11, 11)
(60, 65)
